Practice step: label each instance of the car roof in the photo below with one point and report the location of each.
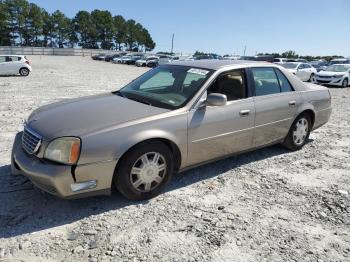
(218, 64)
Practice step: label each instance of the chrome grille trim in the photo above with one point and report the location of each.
(31, 141)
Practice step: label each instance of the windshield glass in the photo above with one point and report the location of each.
(338, 68)
(290, 65)
(166, 86)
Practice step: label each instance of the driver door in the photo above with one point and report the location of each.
(217, 131)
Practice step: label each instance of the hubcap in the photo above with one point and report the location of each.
(345, 83)
(300, 131)
(148, 171)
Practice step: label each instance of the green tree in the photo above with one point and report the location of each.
(17, 11)
(5, 38)
(289, 54)
(48, 30)
(119, 31)
(85, 29)
(61, 25)
(33, 25)
(131, 33)
(104, 25)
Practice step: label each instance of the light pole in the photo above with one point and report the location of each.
(172, 44)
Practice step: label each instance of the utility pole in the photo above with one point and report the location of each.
(245, 48)
(172, 44)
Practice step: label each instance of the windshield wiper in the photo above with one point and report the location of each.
(118, 93)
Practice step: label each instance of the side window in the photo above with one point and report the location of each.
(161, 79)
(266, 82)
(301, 66)
(232, 84)
(283, 81)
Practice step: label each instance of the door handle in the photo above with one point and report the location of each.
(292, 103)
(244, 112)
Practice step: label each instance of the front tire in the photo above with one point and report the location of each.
(312, 78)
(298, 133)
(24, 71)
(345, 83)
(144, 171)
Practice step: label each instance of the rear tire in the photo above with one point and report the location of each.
(298, 133)
(345, 83)
(24, 71)
(144, 171)
(312, 78)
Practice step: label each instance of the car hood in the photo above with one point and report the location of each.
(78, 117)
(329, 73)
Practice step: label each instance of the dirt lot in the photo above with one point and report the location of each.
(269, 205)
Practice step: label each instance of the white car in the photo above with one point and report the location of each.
(279, 61)
(14, 65)
(143, 61)
(338, 61)
(337, 75)
(302, 70)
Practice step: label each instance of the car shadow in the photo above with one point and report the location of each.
(25, 209)
(11, 75)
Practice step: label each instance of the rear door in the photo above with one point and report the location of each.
(276, 105)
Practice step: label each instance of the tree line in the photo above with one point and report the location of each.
(26, 24)
(292, 54)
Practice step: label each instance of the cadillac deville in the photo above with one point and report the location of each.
(172, 118)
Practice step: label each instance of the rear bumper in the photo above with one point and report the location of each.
(57, 179)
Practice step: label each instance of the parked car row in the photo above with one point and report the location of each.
(336, 72)
(136, 59)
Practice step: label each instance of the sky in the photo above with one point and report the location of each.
(309, 27)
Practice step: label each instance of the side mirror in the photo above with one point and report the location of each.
(216, 99)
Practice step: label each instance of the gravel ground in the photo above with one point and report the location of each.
(268, 205)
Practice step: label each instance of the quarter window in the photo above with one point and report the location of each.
(266, 82)
(283, 81)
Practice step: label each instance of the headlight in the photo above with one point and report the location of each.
(64, 150)
(337, 76)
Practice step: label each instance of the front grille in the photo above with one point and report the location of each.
(324, 76)
(31, 141)
(323, 81)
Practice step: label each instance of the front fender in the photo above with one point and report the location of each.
(113, 143)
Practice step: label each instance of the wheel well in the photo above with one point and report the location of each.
(171, 145)
(310, 113)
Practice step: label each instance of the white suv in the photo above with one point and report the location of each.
(14, 65)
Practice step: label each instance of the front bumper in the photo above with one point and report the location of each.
(329, 81)
(57, 179)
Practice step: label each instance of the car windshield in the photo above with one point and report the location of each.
(338, 68)
(166, 86)
(290, 65)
